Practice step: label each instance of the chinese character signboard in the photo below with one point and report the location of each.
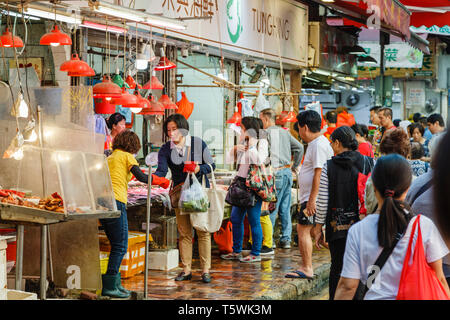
(261, 28)
(397, 55)
(401, 61)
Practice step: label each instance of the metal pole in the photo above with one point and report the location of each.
(44, 230)
(50, 260)
(19, 256)
(147, 228)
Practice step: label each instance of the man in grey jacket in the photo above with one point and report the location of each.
(420, 198)
(286, 154)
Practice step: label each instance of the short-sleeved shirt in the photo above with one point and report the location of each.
(317, 153)
(120, 164)
(366, 149)
(419, 167)
(362, 250)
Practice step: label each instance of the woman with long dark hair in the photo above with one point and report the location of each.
(250, 150)
(389, 228)
(184, 153)
(337, 202)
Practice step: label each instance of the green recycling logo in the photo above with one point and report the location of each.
(234, 25)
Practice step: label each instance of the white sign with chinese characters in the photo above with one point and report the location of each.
(261, 28)
(397, 55)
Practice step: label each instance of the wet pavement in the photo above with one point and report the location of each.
(240, 281)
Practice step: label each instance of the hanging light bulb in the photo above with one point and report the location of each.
(18, 155)
(29, 133)
(265, 79)
(21, 107)
(223, 74)
(14, 149)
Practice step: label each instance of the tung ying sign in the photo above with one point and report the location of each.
(261, 28)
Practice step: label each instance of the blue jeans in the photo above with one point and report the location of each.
(116, 230)
(283, 184)
(237, 219)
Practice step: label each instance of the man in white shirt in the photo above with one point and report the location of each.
(317, 154)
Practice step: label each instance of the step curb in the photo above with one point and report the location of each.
(296, 289)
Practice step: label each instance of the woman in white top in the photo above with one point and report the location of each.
(366, 239)
(250, 150)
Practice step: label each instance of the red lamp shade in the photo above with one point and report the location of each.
(55, 38)
(130, 81)
(137, 102)
(107, 89)
(185, 107)
(281, 119)
(7, 40)
(165, 64)
(236, 118)
(76, 67)
(104, 107)
(87, 73)
(167, 103)
(153, 84)
(156, 108)
(126, 99)
(291, 116)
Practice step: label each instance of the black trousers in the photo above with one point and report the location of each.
(337, 250)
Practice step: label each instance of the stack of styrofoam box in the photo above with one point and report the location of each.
(3, 279)
(163, 260)
(6, 294)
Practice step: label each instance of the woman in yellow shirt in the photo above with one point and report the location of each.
(122, 166)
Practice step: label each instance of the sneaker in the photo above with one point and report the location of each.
(285, 244)
(265, 251)
(250, 258)
(231, 256)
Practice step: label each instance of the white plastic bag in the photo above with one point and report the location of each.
(193, 198)
(211, 221)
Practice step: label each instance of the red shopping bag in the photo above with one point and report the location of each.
(224, 238)
(418, 280)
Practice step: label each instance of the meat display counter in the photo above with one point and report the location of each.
(54, 173)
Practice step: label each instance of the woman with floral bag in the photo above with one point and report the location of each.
(251, 150)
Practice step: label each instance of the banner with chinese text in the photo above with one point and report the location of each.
(261, 28)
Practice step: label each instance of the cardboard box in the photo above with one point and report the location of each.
(163, 260)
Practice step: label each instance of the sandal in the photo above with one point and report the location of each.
(231, 256)
(250, 258)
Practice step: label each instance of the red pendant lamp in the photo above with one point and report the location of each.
(156, 108)
(104, 107)
(107, 89)
(167, 103)
(236, 118)
(7, 40)
(139, 104)
(164, 63)
(281, 119)
(76, 67)
(130, 81)
(153, 84)
(291, 116)
(55, 38)
(125, 99)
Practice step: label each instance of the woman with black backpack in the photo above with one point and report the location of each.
(338, 203)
